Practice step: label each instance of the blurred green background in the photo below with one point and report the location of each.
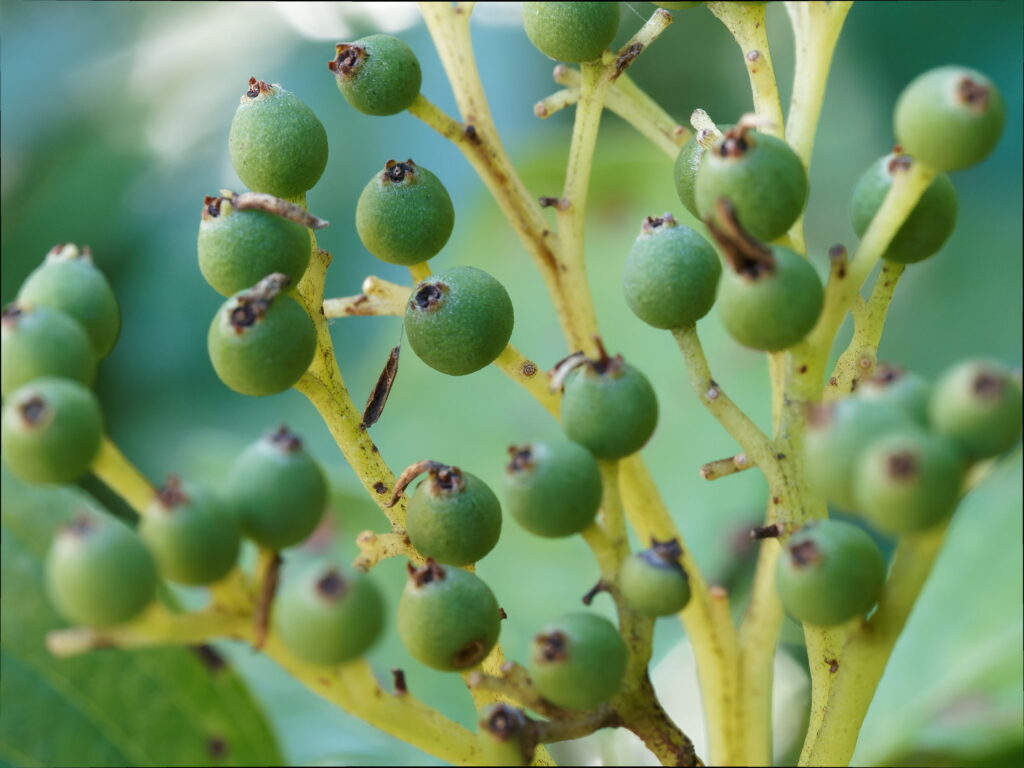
(114, 124)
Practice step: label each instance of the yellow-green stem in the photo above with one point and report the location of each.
(528, 375)
(122, 477)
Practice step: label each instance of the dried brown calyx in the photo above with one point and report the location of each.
(11, 314)
(747, 257)
(34, 411)
(396, 173)
(553, 646)
(736, 141)
(171, 494)
(429, 572)
(285, 440)
(899, 163)
(987, 387)
(81, 526)
(505, 722)
(257, 88)
(902, 465)
(654, 224)
(804, 554)
(972, 94)
(212, 206)
(442, 479)
(348, 57)
(250, 307)
(429, 295)
(69, 252)
(520, 459)
(332, 587)
(885, 375)
(664, 554)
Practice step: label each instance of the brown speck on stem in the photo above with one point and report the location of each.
(347, 59)
(839, 259)
(987, 387)
(395, 172)
(398, 675)
(552, 646)
(746, 256)
(628, 56)
(528, 368)
(429, 572)
(772, 531)
(972, 94)
(804, 554)
(865, 362)
(902, 465)
(379, 487)
(268, 589)
(285, 440)
(753, 56)
(471, 134)
(171, 494)
(833, 665)
(802, 369)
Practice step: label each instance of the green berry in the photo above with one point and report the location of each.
(908, 480)
(404, 215)
(327, 617)
(906, 390)
(459, 321)
(261, 340)
(378, 75)
(578, 661)
(42, 341)
(609, 408)
(193, 536)
(68, 281)
(98, 572)
(453, 516)
(505, 736)
(653, 581)
(927, 227)
(277, 491)
(685, 172)
(552, 488)
(448, 618)
(671, 274)
(949, 117)
(977, 404)
(762, 178)
(572, 32)
(238, 248)
(277, 144)
(52, 430)
(829, 572)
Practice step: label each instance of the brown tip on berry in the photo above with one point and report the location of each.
(668, 551)
(285, 440)
(804, 554)
(81, 525)
(11, 313)
(521, 458)
(33, 411)
(429, 572)
(396, 173)
(972, 94)
(211, 206)
(347, 60)
(654, 223)
(902, 465)
(900, 163)
(429, 295)
(886, 374)
(170, 494)
(735, 142)
(331, 586)
(444, 480)
(552, 646)
(504, 722)
(987, 387)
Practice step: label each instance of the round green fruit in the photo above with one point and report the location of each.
(572, 32)
(459, 321)
(977, 404)
(505, 736)
(37, 342)
(906, 390)
(578, 661)
(378, 75)
(685, 172)
(653, 581)
(671, 274)
(404, 214)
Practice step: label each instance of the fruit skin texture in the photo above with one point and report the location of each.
(553, 488)
(239, 248)
(829, 572)
(277, 144)
(326, 616)
(977, 404)
(459, 321)
(68, 281)
(98, 572)
(949, 117)
(448, 618)
(653, 582)
(760, 175)
(571, 32)
(404, 214)
(578, 661)
(609, 408)
(775, 309)
(927, 227)
(904, 389)
(671, 274)
(277, 491)
(42, 341)
(453, 517)
(908, 481)
(378, 75)
(193, 536)
(51, 430)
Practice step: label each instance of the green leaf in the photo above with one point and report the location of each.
(163, 706)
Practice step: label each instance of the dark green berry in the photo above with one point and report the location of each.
(277, 144)
(459, 321)
(98, 572)
(261, 340)
(506, 737)
(609, 407)
(906, 390)
(378, 75)
(685, 172)
(578, 661)
(671, 274)
(42, 341)
(572, 32)
(762, 178)
(68, 281)
(453, 516)
(404, 215)
(448, 618)
(277, 491)
(552, 488)
(949, 117)
(326, 616)
(653, 581)
(239, 248)
(52, 430)
(829, 572)
(977, 404)
(927, 227)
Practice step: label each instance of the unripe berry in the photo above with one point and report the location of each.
(572, 32)
(325, 616)
(977, 404)
(505, 736)
(277, 144)
(671, 274)
(552, 488)
(404, 214)
(448, 618)
(52, 429)
(904, 389)
(261, 340)
(685, 171)
(653, 581)
(98, 572)
(459, 321)
(41, 341)
(578, 661)
(829, 572)
(68, 281)
(378, 75)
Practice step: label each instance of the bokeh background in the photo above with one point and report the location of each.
(114, 125)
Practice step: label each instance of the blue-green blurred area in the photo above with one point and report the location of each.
(114, 125)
